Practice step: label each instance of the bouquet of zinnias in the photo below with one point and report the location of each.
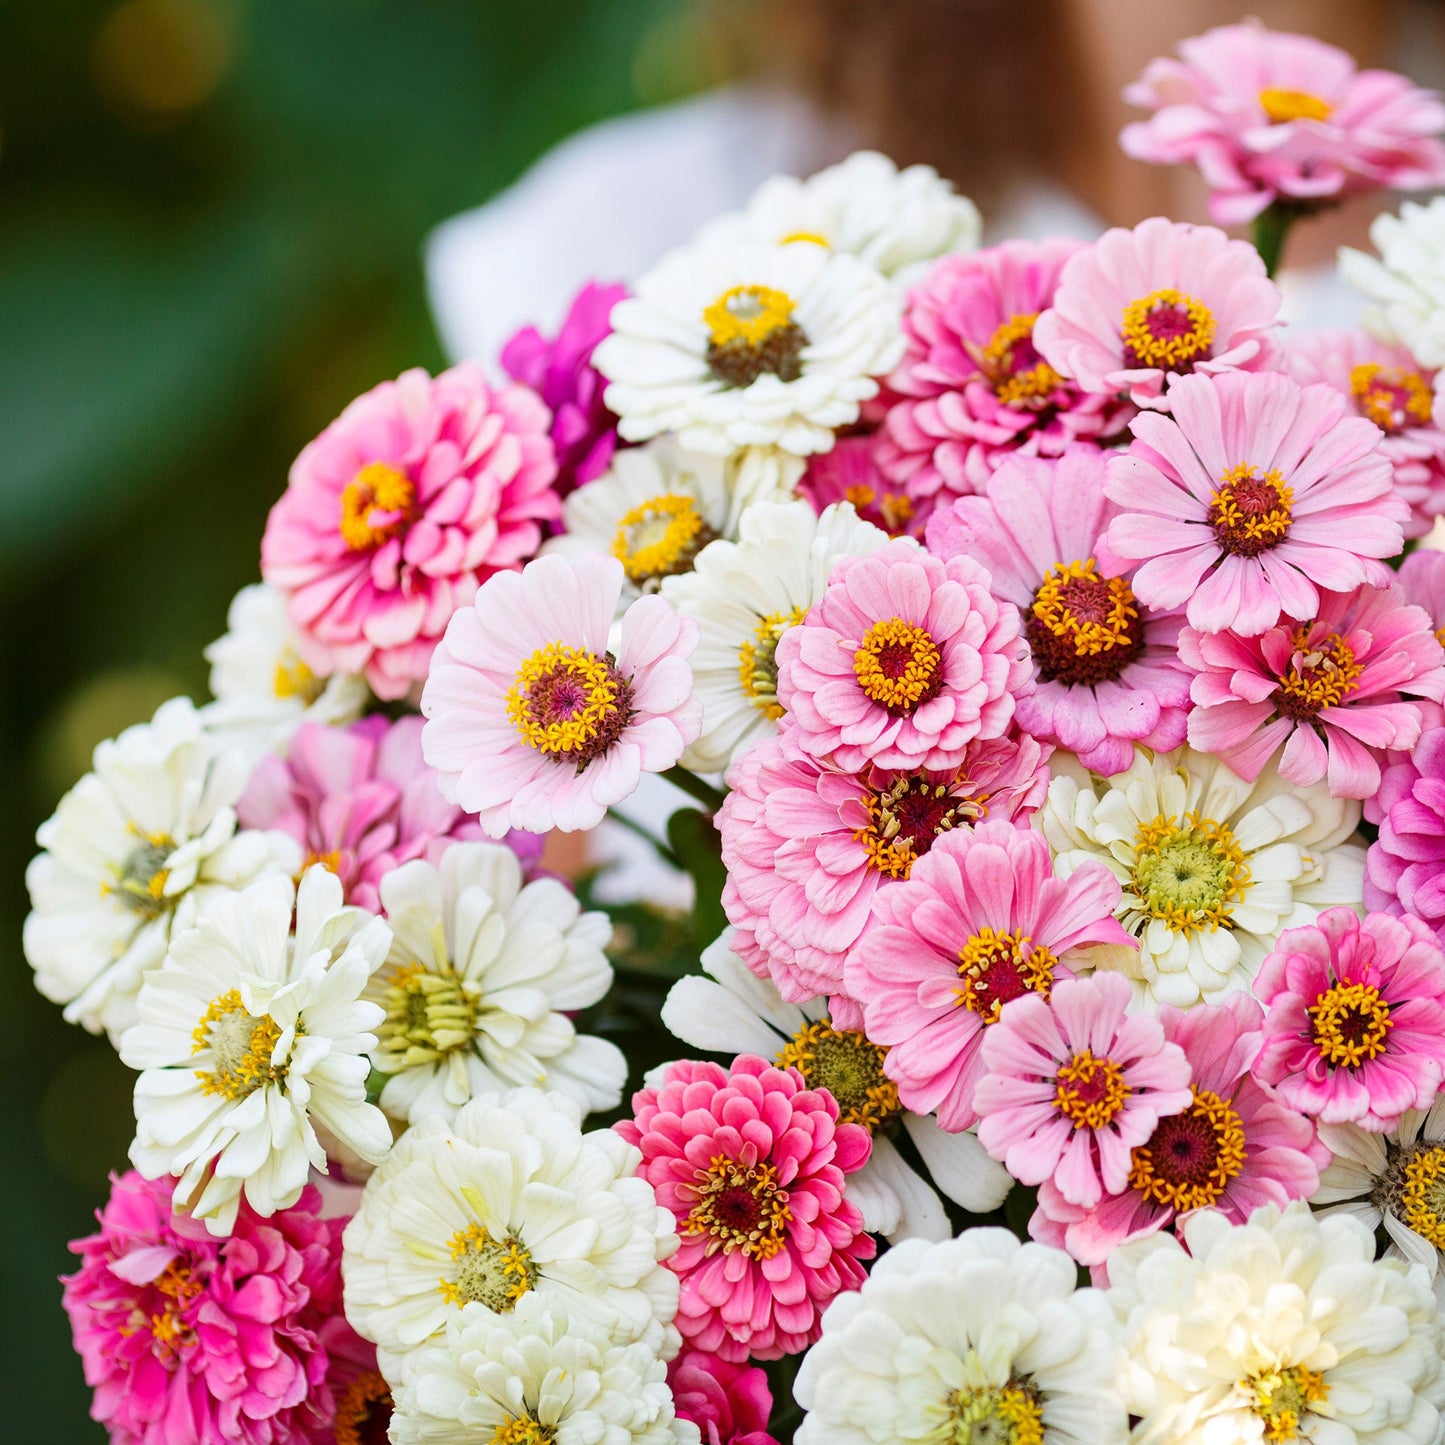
(1034, 629)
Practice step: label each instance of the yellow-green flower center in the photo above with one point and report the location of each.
(488, 1271)
(758, 661)
(1282, 1397)
(241, 1046)
(1189, 873)
(141, 886)
(849, 1067)
(429, 1014)
(522, 1430)
(1006, 1415)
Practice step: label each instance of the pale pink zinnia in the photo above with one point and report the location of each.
(1405, 865)
(1422, 578)
(1165, 299)
(1075, 1082)
(1107, 669)
(1354, 1023)
(1236, 1147)
(972, 388)
(754, 1165)
(904, 661)
(1251, 496)
(394, 516)
(1328, 690)
(981, 921)
(1269, 116)
(730, 1403)
(532, 722)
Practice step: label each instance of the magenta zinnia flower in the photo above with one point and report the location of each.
(903, 662)
(1354, 1023)
(1269, 116)
(850, 473)
(560, 371)
(1107, 669)
(981, 921)
(532, 722)
(188, 1339)
(753, 1164)
(1405, 865)
(1327, 690)
(399, 510)
(972, 388)
(1162, 300)
(807, 845)
(729, 1403)
(1252, 495)
(1074, 1083)
(1236, 1147)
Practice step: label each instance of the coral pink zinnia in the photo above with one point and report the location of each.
(753, 1165)
(1107, 668)
(981, 921)
(1327, 690)
(1354, 1024)
(729, 1403)
(1253, 494)
(1162, 300)
(1405, 865)
(903, 662)
(532, 722)
(188, 1339)
(399, 510)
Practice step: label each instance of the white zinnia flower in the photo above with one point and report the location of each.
(477, 986)
(532, 1377)
(1213, 867)
(510, 1198)
(1407, 282)
(135, 850)
(263, 691)
(743, 1014)
(1281, 1329)
(979, 1338)
(897, 221)
(250, 1038)
(743, 596)
(737, 344)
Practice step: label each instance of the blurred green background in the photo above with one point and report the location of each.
(211, 214)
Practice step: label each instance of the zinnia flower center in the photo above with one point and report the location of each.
(523, 1430)
(758, 661)
(659, 538)
(363, 1413)
(1188, 874)
(996, 968)
(1168, 330)
(892, 511)
(1321, 674)
(1420, 1192)
(178, 1291)
(1018, 374)
(428, 1015)
(1083, 628)
(294, 679)
(1089, 1091)
(1250, 514)
(1282, 1396)
(492, 1272)
(849, 1067)
(1391, 397)
(378, 503)
(751, 331)
(909, 816)
(1007, 1415)
(1190, 1157)
(241, 1047)
(741, 1207)
(142, 882)
(1350, 1023)
(899, 665)
(569, 703)
(1283, 106)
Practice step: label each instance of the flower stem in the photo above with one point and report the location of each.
(1271, 227)
(695, 788)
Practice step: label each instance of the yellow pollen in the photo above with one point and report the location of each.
(428, 1016)
(740, 1206)
(241, 1045)
(1090, 1092)
(929, 809)
(492, 1272)
(660, 537)
(1176, 347)
(1282, 1396)
(810, 236)
(1190, 874)
(1088, 638)
(748, 314)
(330, 860)
(1283, 106)
(1350, 1023)
(1321, 674)
(294, 679)
(1032, 385)
(1422, 1196)
(758, 661)
(1391, 397)
(1251, 514)
(1010, 1415)
(522, 1430)
(376, 488)
(367, 1393)
(167, 1327)
(995, 968)
(593, 699)
(1217, 1131)
(897, 665)
(849, 1066)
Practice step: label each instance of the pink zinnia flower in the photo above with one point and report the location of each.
(1328, 690)
(188, 1339)
(850, 473)
(1354, 1023)
(1107, 669)
(361, 800)
(972, 388)
(1422, 578)
(1405, 865)
(903, 662)
(560, 371)
(807, 846)
(1268, 116)
(730, 1403)
(753, 1164)
(532, 722)
(1253, 494)
(1236, 1147)
(1075, 1082)
(1162, 300)
(1386, 386)
(399, 510)
(981, 921)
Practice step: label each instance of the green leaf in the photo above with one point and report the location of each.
(699, 848)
